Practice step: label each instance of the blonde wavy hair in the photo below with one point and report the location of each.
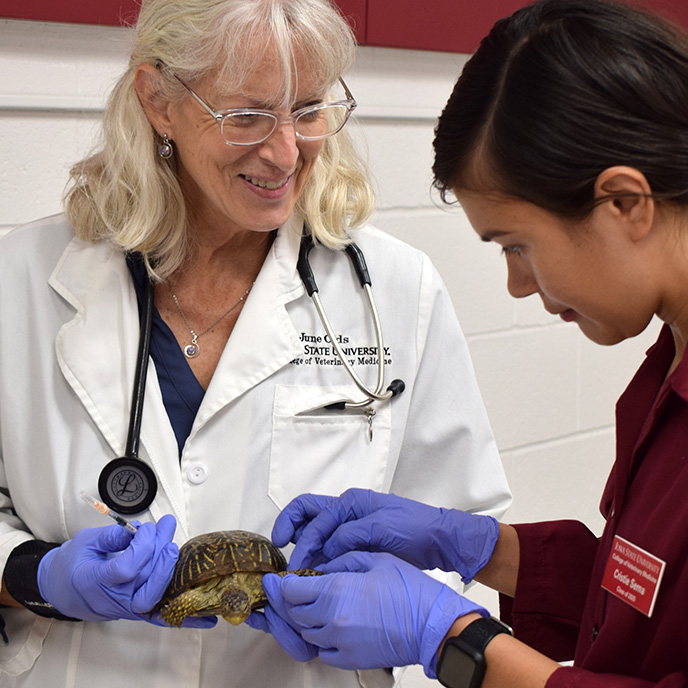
(128, 195)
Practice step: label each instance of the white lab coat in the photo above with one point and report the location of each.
(68, 341)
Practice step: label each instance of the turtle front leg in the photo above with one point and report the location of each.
(178, 608)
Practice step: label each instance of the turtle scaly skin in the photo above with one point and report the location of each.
(220, 573)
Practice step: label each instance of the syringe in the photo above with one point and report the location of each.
(105, 509)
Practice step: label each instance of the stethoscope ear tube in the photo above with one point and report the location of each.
(396, 387)
(358, 261)
(303, 265)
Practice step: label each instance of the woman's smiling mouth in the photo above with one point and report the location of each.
(266, 184)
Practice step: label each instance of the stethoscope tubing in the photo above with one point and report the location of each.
(377, 394)
(360, 267)
(127, 484)
(141, 374)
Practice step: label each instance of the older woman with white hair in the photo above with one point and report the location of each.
(177, 272)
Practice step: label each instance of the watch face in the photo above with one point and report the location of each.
(458, 668)
(462, 664)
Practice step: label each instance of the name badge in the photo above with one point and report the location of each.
(633, 575)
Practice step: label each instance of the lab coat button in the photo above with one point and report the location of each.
(197, 473)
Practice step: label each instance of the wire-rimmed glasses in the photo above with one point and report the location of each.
(250, 126)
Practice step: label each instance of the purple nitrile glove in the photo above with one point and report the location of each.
(426, 536)
(107, 573)
(372, 611)
(284, 632)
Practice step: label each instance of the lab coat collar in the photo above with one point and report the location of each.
(94, 279)
(96, 350)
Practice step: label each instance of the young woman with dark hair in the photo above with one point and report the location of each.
(566, 142)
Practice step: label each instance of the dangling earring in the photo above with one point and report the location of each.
(166, 149)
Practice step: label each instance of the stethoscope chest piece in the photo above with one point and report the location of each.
(127, 485)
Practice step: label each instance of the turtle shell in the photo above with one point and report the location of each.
(220, 553)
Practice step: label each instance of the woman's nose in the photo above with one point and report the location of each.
(521, 281)
(280, 148)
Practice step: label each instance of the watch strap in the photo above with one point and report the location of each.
(470, 643)
(481, 631)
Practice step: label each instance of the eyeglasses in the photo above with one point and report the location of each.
(250, 126)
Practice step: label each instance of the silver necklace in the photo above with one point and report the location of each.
(192, 350)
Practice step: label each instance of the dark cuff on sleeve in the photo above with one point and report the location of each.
(555, 567)
(21, 578)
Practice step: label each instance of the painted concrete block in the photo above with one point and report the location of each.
(560, 479)
(529, 382)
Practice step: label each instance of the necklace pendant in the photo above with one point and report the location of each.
(191, 350)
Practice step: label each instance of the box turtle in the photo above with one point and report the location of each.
(220, 574)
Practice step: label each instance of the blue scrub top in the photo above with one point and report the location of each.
(182, 393)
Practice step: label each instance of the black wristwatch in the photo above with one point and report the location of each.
(462, 662)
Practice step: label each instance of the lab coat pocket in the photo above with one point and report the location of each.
(26, 633)
(325, 451)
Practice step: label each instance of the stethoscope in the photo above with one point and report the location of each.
(355, 254)
(128, 485)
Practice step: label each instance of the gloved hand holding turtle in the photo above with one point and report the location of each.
(370, 611)
(107, 573)
(324, 528)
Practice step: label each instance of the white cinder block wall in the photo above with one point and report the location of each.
(549, 392)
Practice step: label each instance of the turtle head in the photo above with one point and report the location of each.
(236, 605)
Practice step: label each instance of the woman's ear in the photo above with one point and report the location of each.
(154, 104)
(628, 197)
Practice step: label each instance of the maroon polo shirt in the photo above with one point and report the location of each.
(560, 607)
